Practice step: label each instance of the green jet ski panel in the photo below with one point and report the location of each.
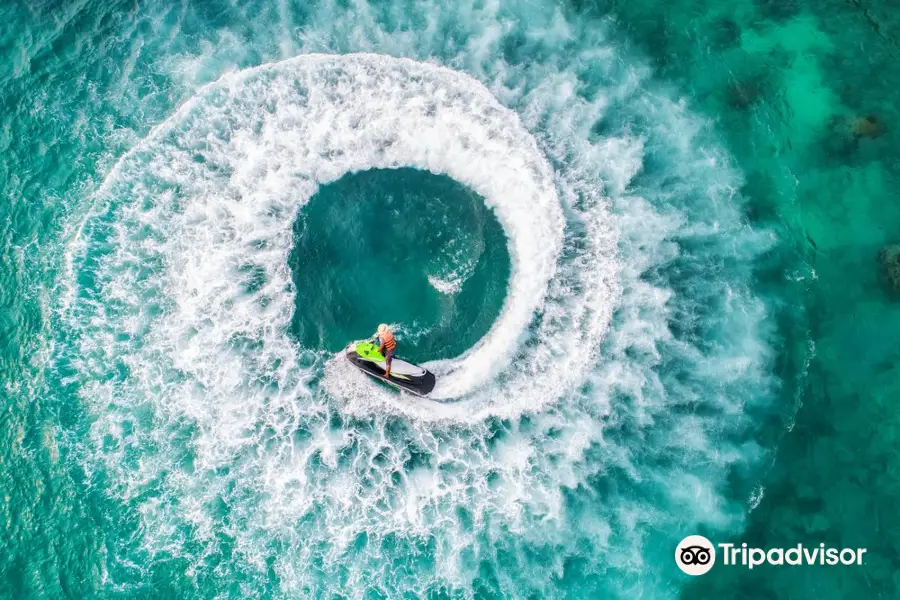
(369, 351)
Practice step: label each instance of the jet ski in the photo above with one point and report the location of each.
(405, 376)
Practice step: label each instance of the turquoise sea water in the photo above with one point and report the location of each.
(638, 242)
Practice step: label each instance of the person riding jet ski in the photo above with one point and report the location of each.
(376, 358)
(387, 346)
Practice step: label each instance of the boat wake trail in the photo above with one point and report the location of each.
(597, 419)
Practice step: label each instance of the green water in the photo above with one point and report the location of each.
(789, 84)
(643, 258)
(376, 243)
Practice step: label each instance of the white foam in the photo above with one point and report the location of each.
(218, 406)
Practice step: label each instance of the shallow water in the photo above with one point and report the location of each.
(637, 242)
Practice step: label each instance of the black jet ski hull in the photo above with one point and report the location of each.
(418, 385)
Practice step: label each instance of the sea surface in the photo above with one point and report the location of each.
(637, 241)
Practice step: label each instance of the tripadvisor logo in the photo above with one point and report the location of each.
(696, 555)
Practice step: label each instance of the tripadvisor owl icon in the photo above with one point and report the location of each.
(695, 555)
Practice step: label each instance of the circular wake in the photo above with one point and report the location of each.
(230, 170)
(219, 184)
(598, 417)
